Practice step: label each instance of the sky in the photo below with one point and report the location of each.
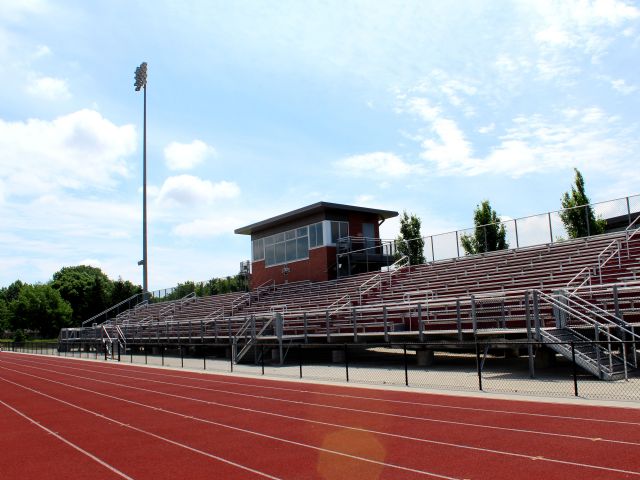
(256, 108)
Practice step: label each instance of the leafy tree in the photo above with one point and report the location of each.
(489, 234)
(41, 308)
(10, 293)
(5, 317)
(87, 289)
(123, 289)
(410, 241)
(579, 222)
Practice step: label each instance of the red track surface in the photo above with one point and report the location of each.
(63, 418)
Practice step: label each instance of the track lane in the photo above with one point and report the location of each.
(49, 453)
(624, 432)
(540, 460)
(132, 451)
(295, 460)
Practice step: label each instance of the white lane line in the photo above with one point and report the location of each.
(403, 437)
(71, 444)
(333, 407)
(376, 399)
(172, 442)
(210, 422)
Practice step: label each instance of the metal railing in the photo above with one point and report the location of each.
(544, 228)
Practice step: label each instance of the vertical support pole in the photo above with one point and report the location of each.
(346, 360)
(550, 227)
(616, 302)
(406, 367)
(457, 244)
(306, 327)
(474, 319)
(536, 315)
(515, 223)
(145, 354)
(355, 326)
(503, 316)
(300, 350)
(131, 354)
(433, 255)
(327, 319)
(575, 369)
(420, 324)
(117, 343)
(597, 345)
(204, 360)
(486, 243)
(478, 366)
(628, 211)
(386, 323)
(181, 356)
(458, 319)
(262, 358)
(586, 218)
(529, 335)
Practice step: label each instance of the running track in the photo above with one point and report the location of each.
(64, 418)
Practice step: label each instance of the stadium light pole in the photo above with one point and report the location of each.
(141, 83)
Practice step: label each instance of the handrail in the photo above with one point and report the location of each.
(346, 297)
(112, 308)
(282, 308)
(240, 301)
(377, 282)
(398, 265)
(141, 305)
(577, 275)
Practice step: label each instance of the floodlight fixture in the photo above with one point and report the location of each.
(141, 76)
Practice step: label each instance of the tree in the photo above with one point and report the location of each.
(41, 308)
(410, 241)
(579, 222)
(5, 317)
(489, 234)
(123, 289)
(87, 289)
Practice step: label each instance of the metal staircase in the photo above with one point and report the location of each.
(583, 334)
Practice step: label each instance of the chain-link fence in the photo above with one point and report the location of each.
(549, 227)
(526, 368)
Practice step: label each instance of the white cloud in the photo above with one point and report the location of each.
(48, 88)
(185, 156)
(193, 191)
(554, 36)
(80, 151)
(206, 227)
(364, 199)
(621, 86)
(376, 164)
(487, 128)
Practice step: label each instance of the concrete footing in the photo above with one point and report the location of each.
(424, 358)
(545, 358)
(337, 356)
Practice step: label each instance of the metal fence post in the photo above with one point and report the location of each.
(550, 227)
(300, 350)
(479, 366)
(575, 369)
(457, 244)
(181, 356)
(262, 357)
(346, 360)
(458, 319)
(433, 255)
(406, 367)
(586, 217)
(515, 223)
(628, 211)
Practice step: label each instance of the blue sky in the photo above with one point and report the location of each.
(256, 108)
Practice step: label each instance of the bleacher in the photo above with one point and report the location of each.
(496, 293)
